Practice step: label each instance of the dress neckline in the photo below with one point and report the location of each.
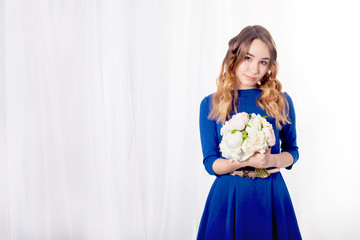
(249, 89)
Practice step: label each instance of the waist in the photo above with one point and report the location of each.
(253, 169)
(261, 173)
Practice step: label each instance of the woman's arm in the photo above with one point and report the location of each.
(224, 166)
(266, 160)
(208, 136)
(288, 134)
(258, 160)
(281, 160)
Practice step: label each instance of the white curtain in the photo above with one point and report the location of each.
(99, 109)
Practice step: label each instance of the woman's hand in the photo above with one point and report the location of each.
(259, 160)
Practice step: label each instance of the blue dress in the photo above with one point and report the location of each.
(242, 207)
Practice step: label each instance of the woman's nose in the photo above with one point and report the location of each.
(254, 67)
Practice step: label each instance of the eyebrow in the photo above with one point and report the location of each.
(254, 56)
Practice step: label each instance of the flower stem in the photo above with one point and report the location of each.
(261, 172)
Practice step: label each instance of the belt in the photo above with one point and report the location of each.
(257, 173)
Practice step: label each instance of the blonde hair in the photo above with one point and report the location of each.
(272, 100)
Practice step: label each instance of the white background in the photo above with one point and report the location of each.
(99, 106)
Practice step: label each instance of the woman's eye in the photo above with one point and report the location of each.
(264, 62)
(247, 58)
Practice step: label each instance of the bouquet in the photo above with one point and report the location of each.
(244, 135)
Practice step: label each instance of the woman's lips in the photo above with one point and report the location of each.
(251, 78)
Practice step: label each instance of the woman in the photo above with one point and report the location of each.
(239, 205)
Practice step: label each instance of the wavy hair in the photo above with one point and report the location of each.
(272, 100)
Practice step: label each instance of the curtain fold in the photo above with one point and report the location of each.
(100, 116)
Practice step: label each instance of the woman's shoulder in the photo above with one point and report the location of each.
(288, 98)
(206, 103)
(286, 94)
(289, 105)
(207, 99)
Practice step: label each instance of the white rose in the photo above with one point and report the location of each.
(230, 145)
(236, 154)
(239, 121)
(255, 126)
(265, 123)
(234, 140)
(225, 149)
(225, 128)
(254, 143)
(259, 141)
(247, 148)
(270, 136)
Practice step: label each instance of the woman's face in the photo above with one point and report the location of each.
(255, 65)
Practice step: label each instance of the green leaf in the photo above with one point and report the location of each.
(244, 135)
(248, 125)
(233, 131)
(265, 116)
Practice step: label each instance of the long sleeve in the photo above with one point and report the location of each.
(288, 134)
(208, 136)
